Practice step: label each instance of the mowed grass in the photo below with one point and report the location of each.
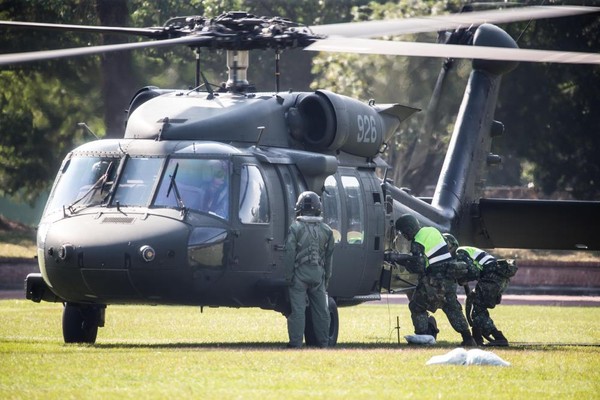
(161, 352)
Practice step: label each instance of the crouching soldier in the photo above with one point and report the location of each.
(436, 287)
(494, 277)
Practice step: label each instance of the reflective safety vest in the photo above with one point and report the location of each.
(480, 257)
(436, 248)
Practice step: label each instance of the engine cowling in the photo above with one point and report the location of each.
(326, 121)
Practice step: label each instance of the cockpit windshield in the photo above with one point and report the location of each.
(196, 184)
(84, 182)
(137, 181)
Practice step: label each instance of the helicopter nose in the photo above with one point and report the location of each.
(115, 257)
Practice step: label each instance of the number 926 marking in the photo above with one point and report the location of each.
(367, 129)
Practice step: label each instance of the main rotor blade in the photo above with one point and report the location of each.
(16, 58)
(147, 32)
(370, 29)
(398, 48)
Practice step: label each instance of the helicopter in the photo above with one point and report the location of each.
(192, 205)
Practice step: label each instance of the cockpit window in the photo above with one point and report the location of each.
(197, 184)
(254, 202)
(137, 181)
(83, 182)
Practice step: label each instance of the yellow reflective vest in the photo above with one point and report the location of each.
(436, 249)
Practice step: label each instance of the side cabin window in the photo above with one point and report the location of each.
(355, 222)
(198, 184)
(332, 208)
(83, 182)
(254, 202)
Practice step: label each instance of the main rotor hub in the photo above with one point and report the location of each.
(240, 31)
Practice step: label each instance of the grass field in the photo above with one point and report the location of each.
(160, 352)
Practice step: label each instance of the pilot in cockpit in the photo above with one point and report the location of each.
(216, 191)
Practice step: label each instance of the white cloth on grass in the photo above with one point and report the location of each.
(420, 339)
(460, 356)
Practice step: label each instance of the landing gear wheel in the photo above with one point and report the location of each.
(334, 326)
(80, 323)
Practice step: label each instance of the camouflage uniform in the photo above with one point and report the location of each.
(308, 259)
(435, 289)
(494, 277)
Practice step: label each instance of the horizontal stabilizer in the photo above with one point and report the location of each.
(397, 110)
(538, 224)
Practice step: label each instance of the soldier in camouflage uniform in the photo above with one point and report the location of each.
(493, 276)
(308, 260)
(437, 285)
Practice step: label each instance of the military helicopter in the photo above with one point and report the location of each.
(192, 205)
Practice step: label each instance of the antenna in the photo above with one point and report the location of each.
(87, 129)
(197, 52)
(261, 130)
(277, 71)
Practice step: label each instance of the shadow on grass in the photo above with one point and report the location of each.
(250, 346)
(241, 346)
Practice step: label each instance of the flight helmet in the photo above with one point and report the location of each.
(308, 204)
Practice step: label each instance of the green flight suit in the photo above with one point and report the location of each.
(308, 266)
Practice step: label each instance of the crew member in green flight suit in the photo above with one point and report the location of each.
(308, 266)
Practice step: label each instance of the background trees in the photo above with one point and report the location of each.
(549, 110)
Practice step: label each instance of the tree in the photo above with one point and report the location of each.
(415, 155)
(41, 103)
(547, 108)
(553, 123)
(118, 82)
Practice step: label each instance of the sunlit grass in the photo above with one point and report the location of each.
(16, 244)
(176, 352)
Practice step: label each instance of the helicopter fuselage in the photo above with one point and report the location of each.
(130, 220)
(140, 245)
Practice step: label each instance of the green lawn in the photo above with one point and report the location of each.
(147, 352)
(16, 244)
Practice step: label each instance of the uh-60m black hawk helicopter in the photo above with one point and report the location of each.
(193, 204)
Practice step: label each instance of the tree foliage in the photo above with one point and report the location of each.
(415, 156)
(548, 110)
(41, 103)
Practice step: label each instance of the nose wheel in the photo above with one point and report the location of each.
(81, 321)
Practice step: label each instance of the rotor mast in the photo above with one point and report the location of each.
(237, 70)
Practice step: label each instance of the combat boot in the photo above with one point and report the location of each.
(467, 339)
(478, 337)
(432, 326)
(499, 339)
